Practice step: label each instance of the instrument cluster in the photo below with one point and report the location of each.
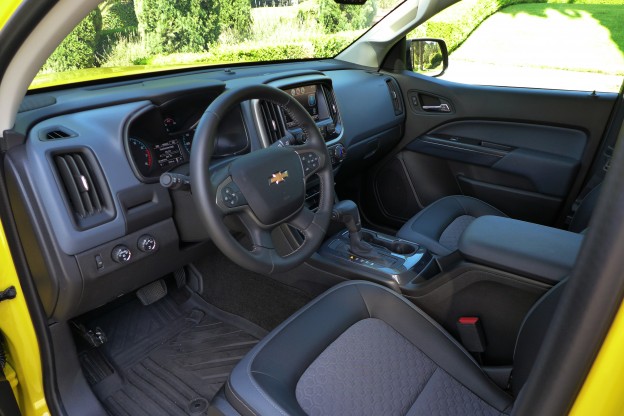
(161, 138)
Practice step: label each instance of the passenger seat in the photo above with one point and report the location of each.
(440, 225)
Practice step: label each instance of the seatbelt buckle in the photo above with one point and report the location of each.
(471, 333)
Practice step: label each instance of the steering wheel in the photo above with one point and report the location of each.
(264, 188)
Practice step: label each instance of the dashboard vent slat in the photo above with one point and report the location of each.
(273, 121)
(331, 104)
(77, 177)
(395, 96)
(56, 133)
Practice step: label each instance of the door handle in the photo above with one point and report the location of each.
(442, 108)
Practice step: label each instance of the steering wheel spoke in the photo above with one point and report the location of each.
(302, 220)
(311, 160)
(229, 197)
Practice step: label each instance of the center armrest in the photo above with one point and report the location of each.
(532, 250)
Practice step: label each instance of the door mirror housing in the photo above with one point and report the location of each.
(427, 56)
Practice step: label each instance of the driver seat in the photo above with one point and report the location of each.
(362, 349)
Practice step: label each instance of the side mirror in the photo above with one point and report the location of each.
(427, 56)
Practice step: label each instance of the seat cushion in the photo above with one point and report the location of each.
(439, 226)
(359, 349)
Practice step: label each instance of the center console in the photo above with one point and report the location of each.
(367, 254)
(544, 255)
(395, 262)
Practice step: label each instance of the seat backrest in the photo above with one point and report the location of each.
(532, 332)
(583, 214)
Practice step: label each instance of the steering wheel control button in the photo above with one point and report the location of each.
(232, 196)
(147, 243)
(121, 254)
(311, 162)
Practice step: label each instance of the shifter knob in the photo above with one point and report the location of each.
(347, 212)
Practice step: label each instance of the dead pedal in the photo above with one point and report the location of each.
(152, 293)
(180, 277)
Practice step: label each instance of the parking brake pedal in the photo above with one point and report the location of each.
(152, 292)
(93, 337)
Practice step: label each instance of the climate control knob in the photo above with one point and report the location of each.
(147, 243)
(121, 254)
(340, 152)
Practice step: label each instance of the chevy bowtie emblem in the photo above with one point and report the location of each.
(278, 177)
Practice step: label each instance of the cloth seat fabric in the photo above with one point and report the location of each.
(361, 349)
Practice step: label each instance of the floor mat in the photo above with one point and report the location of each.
(168, 358)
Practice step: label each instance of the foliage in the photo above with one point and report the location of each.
(177, 26)
(325, 46)
(335, 17)
(121, 48)
(77, 51)
(328, 46)
(118, 15)
(235, 19)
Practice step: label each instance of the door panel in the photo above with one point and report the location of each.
(525, 151)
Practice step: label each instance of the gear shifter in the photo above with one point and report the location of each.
(347, 212)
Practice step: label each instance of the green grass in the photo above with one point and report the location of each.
(578, 37)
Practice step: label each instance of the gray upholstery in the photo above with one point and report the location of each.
(265, 381)
(532, 250)
(369, 360)
(450, 236)
(371, 369)
(443, 395)
(361, 349)
(439, 226)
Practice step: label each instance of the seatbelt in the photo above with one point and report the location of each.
(602, 161)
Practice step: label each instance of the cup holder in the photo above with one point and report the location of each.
(397, 247)
(402, 248)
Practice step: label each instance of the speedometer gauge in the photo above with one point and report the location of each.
(142, 156)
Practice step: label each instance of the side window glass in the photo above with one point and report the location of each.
(570, 46)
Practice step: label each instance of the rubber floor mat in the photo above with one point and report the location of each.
(169, 358)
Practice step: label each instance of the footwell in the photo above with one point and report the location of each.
(168, 358)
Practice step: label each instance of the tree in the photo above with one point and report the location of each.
(77, 51)
(169, 26)
(336, 17)
(235, 18)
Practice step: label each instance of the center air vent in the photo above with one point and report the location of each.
(331, 105)
(273, 121)
(85, 190)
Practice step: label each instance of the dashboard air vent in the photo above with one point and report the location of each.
(331, 104)
(395, 96)
(55, 133)
(273, 122)
(82, 187)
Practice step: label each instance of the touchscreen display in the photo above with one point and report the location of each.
(306, 96)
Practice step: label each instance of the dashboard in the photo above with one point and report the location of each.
(85, 176)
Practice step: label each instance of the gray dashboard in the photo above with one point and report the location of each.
(82, 136)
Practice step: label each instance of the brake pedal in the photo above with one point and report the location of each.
(152, 293)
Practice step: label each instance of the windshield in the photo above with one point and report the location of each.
(126, 37)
